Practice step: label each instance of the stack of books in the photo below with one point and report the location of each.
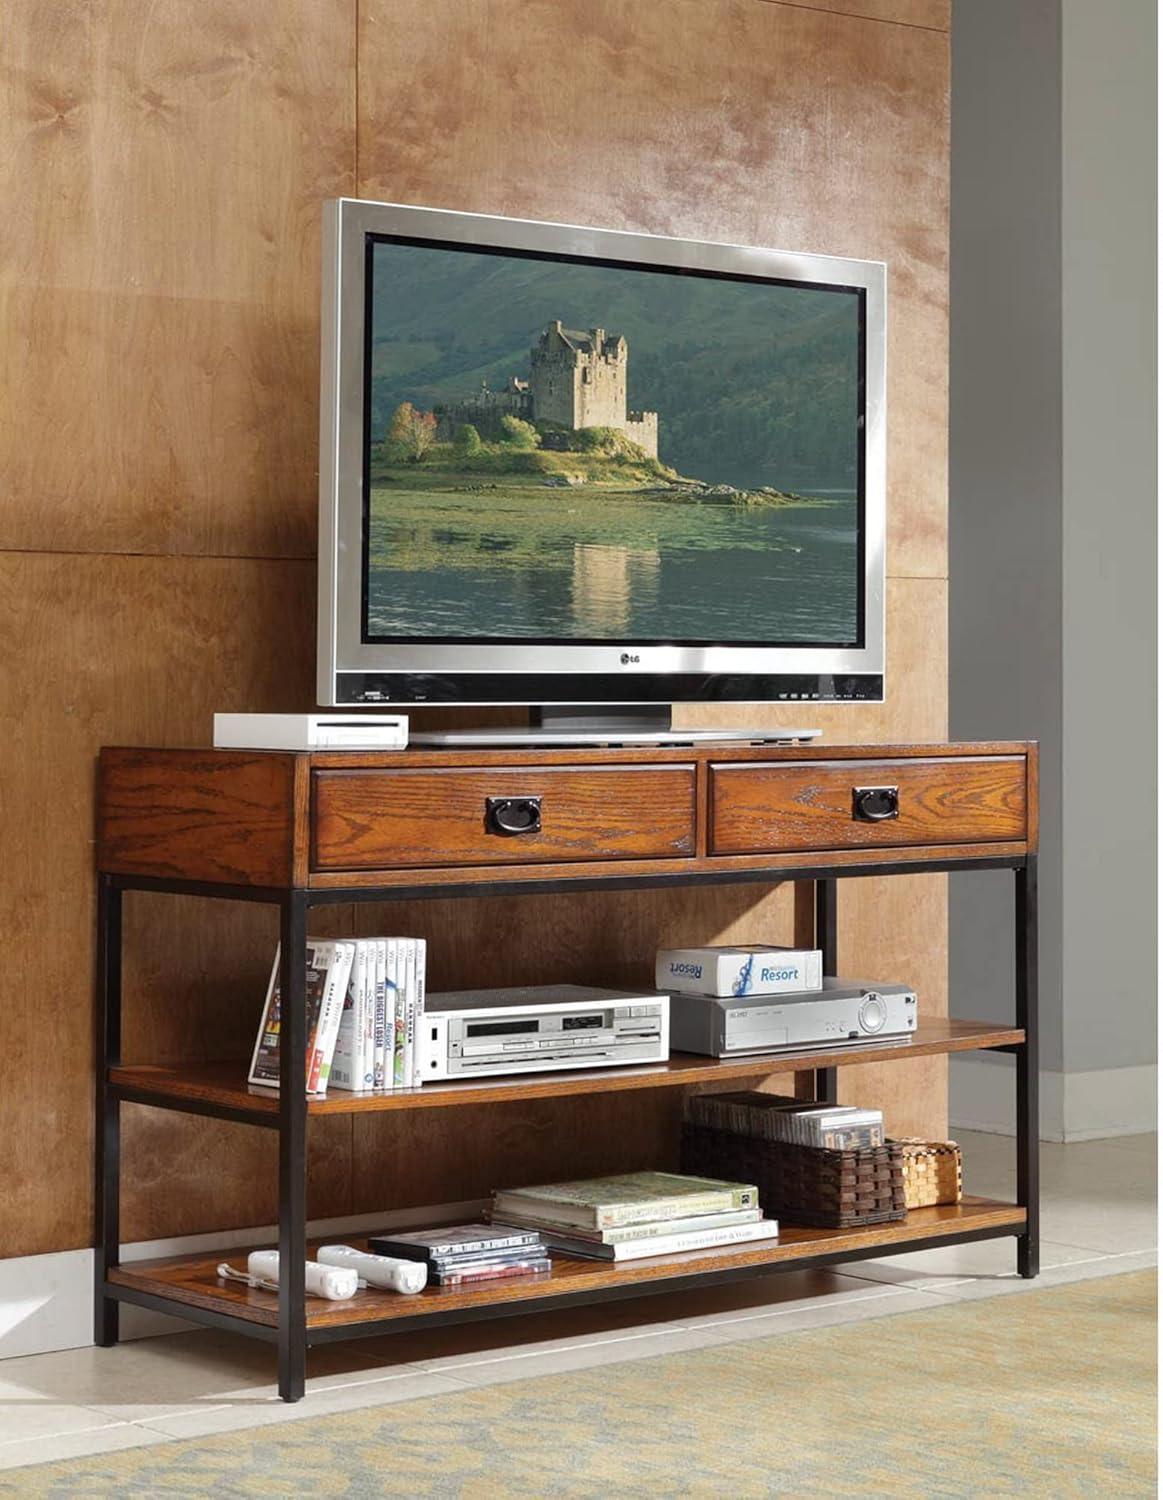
(636, 1215)
(365, 999)
(774, 1117)
(458, 1253)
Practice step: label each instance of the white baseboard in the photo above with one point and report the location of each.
(1073, 1106)
(46, 1301)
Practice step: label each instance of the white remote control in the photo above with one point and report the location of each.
(382, 1271)
(333, 1282)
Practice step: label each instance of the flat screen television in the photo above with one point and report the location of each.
(570, 466)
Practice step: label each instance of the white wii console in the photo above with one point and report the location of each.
(330, 731)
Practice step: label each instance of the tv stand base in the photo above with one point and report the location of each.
(632, 724)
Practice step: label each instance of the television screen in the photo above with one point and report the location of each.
(560, 449)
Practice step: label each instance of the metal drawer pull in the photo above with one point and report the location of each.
(509, 815)
(875, 804)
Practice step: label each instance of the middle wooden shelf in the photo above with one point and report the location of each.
(220, 1088)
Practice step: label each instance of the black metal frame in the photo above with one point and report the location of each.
(291, 1333)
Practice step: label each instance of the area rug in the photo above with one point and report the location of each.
(1047, 1393)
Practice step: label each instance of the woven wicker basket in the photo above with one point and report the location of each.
(807, 1185)
(932, 1171)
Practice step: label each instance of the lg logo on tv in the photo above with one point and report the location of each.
(628, 660)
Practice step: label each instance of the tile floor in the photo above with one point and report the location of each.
(1098, 1219)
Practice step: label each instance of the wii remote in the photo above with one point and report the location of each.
(382, 1271)
(333, 1282)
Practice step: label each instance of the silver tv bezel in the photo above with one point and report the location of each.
(347, 222)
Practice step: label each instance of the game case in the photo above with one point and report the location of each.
(400, 1013)
(383, 1004)
(453, 1239)
(499, 1272)
(368, 1038)
(347, 1060)
(264, 1063)
(418, 1052)
(322, 1044)
(409, 972)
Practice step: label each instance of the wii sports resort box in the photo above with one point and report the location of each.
(740, 971)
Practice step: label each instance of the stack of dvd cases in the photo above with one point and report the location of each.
(459, 1253)
(774, 1117)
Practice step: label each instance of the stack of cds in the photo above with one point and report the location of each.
(773, 1117)
(458, 1253)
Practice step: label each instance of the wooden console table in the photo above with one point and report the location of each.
(301, 831)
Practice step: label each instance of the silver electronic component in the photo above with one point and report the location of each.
(845, 1010)
(541, 1028)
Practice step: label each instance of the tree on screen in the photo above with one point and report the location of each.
(410, 434)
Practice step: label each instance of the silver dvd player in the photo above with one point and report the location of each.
(540, 1028)
(845, 1010)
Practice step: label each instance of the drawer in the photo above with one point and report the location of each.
(783, 806)
(385, 819)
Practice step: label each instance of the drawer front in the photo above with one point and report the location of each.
(384, 819)
(865, 804)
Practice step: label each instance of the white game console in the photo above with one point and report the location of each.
(310, 731)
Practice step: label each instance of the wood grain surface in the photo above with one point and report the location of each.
(210, 815)
(932, 14)
(194, 1280)
(160, 299)
(811, 806)
(95, 650)
(225, 1083)
(368, 820)
(163, 172)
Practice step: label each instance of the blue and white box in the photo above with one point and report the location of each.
(739, 971)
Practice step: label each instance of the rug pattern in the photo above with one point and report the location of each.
(1046, 1393)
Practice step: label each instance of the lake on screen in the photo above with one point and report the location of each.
(595, 562)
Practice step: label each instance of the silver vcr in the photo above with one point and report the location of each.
(541, 1028)
(845, 1010)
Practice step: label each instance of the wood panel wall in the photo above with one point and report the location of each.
(159, 301)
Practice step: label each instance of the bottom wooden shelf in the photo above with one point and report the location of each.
(193, 1280)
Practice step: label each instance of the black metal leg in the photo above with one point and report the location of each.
(293, 1147)
(826, 1078)
(107, 1114)
(1026, 923)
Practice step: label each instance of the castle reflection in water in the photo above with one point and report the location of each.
(607, 583)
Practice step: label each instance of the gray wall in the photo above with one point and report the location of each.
(1005, 459)
(1109, 531)
(1052, 487)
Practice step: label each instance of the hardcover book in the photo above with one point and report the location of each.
(630, 1198)
(669, 1244)
(654, 1229)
